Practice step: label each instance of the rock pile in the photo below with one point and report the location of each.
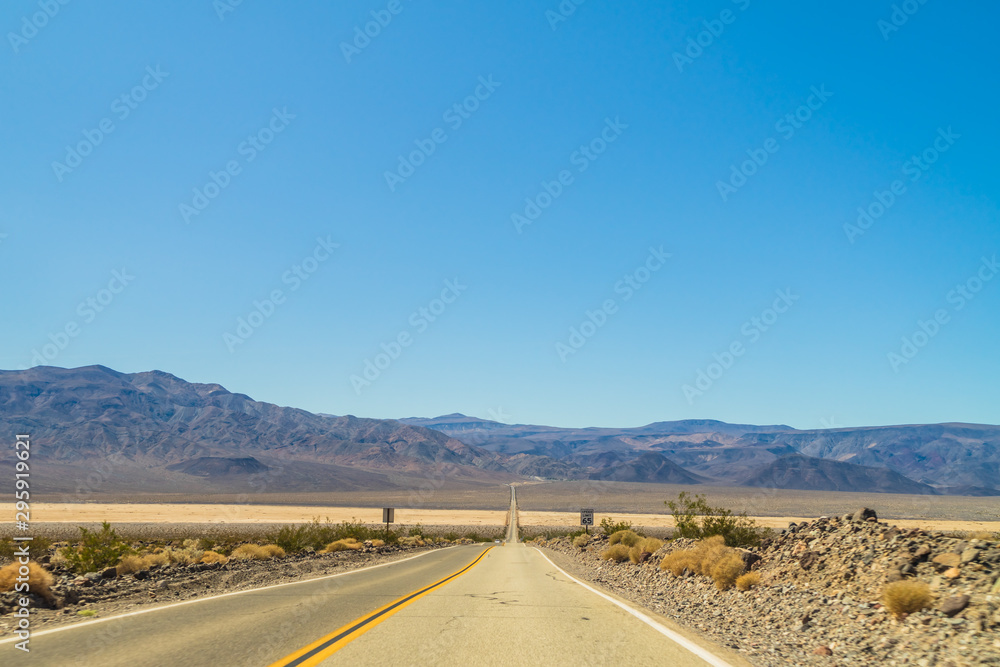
(819, 600)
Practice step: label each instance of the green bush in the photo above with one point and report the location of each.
(96, 551)
(697, 520)
(611, 527)
(37, 547)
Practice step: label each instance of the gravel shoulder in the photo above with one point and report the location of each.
(819, 600)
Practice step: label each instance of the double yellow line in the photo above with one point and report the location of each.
(323, 648)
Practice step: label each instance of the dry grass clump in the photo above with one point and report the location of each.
(156, 559)
(745, 582)
(273, 551)
(39, 579)
(581, 541)
(627, 537)
(414, 541)
(351, 544)
(257, 552)
(710, 558)
(645, 545)
(130, 564)
(214, 557)
(906, 597)
(616, 552)
(378, 543)
(983, 535)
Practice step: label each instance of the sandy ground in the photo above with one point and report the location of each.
(234, 513)
(251, 514)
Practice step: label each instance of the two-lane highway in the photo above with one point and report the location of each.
(485, 604)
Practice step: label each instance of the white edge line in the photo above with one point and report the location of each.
(74, 626)
(670, 634)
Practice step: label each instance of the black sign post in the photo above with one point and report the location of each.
(388, 516)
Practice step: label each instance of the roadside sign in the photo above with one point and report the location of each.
(587, 517)
(388, 515)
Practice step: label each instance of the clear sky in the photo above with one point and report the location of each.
(689, 174)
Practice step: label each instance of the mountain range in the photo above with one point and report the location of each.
(95, 430)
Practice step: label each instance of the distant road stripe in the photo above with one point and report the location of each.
(705, 655)
(323, 648)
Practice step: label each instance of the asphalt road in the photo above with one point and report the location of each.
(490, 604)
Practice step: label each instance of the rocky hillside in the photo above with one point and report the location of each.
(153, 431)
(959, 459)
(819, 600)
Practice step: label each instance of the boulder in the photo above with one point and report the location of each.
(110, 573)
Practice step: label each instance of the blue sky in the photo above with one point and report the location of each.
(643, 110)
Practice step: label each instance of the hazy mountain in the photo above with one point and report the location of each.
(805, 472)
(952, 458)
(176, 435)
(648, 467)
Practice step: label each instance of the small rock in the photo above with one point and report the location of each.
(948, 560)
(141, 574)
(822, 650)
(954, 605)
(110, 573)
(864, 514)
(970, 555)
(921, 555)
(952, 573)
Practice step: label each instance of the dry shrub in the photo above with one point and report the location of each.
(747, 581)
(214, 557)
(378, 543)
(351, 544)
(906, 597)
(616, 552)
(414, 541)
(130, 564)
(726, 570)
(249, 552)
(191, 544)
(273, 551)
(581, 541)
(627, 537)
(983, 535)
(710, 558)
(39, 579)
(647, 544)
(156, 558)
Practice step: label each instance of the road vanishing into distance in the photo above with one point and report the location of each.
(499, 604)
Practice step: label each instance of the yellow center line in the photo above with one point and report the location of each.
(323, 648)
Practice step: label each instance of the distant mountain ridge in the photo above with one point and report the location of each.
(155, 432)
